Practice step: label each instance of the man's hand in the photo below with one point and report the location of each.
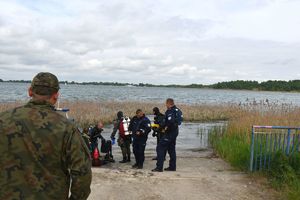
(138, 133)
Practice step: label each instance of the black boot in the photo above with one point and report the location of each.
(156, 170)
(140, 167)
(169, 169)
(135, 166)
(123, 161)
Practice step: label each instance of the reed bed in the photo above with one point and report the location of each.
(240, 116)
(89, 112)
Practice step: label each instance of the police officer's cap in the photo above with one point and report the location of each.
(45, 83)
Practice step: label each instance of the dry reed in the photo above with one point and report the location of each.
(241, 117)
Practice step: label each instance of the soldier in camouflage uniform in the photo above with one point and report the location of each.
(42, 154)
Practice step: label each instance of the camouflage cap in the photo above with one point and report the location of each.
(45, 83)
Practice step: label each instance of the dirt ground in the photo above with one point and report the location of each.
(199, 175)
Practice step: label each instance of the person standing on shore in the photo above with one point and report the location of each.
(173, 118)
(42, 154)
(121, 124)
(140, 126)
(159, 120)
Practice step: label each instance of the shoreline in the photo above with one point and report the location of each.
(199, 175)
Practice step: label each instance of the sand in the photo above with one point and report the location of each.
(200, 175)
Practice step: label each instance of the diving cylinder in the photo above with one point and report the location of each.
(126, 122)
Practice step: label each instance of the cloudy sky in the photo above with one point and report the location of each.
(160, 42)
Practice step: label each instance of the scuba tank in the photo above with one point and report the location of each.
(125, 123)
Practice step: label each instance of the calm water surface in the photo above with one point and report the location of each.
(192, 136)
(18, 91)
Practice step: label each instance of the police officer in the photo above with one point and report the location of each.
(124, 141)
(140, 126)
(168, 141)
(42, 154)
(159, 119)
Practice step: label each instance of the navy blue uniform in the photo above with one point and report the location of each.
(160, 120)
(168, 140)
(142, 125)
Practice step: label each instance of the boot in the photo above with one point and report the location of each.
(135, 166)
(140, 167)
(123, 161)
(169, 169)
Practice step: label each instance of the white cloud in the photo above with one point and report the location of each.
(151, 41)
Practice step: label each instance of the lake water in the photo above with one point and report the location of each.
(192, 136)
(18, 91)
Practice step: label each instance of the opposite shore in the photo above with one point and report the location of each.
(270, 85)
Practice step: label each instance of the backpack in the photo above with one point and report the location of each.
(178, 116)
(105, 146)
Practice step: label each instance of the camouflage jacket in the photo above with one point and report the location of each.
(42, 155)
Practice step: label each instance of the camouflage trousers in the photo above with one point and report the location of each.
(125, 147)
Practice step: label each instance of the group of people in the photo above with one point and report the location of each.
(135, 131)
(44, 156)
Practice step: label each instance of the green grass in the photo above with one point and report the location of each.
(284, 172)
(284, 175)
(232, 148)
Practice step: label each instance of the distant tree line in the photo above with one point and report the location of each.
(16, 81)
(293, 85)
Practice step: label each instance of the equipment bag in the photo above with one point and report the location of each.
(106, 146)
(96, 154)
(96, 158)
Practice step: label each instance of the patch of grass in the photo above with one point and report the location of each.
(283, 175)
(233, 148)
(295, 163)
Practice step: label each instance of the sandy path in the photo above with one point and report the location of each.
(199, 176)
